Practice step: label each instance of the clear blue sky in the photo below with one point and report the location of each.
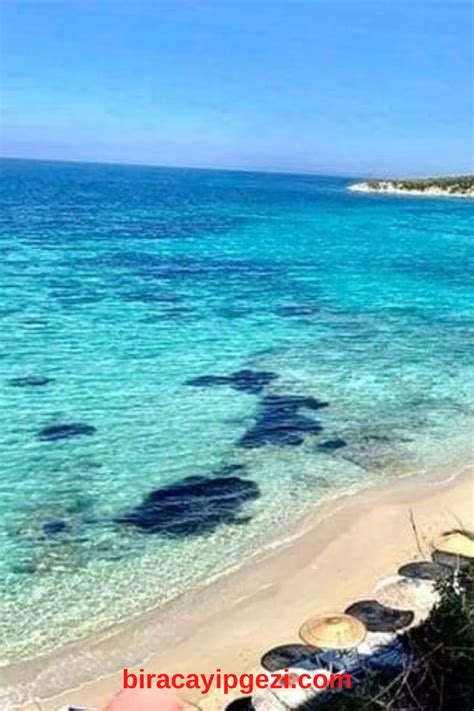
(332, 86)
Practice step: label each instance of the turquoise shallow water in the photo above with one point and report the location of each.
(119, 285)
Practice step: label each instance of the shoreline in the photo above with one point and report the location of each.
(236, 617)
(389, 188)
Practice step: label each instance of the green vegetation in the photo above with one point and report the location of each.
(441, 674)
(462, 184)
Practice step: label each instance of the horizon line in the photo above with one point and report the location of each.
(265, 171)
(269, 171)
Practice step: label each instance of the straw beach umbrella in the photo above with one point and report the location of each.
(425, 570)
(379, 618)
(401, 593)
(455, 543)
(288, 655)
(379, 649)
(451, 560)
(334, 631)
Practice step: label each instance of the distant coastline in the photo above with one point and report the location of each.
(454, 186)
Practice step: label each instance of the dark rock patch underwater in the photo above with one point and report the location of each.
(296, 310)
(65, 430)
(55, 527)
(278, 421)
(30, 381)
(194, 506)
(229, 469)
(331, 445)
(248, 381)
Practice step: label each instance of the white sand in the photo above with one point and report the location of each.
(229, 624)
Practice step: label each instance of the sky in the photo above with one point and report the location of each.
(343, 87)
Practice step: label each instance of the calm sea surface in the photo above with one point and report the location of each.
(129, 472)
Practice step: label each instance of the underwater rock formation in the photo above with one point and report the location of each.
(65, 430)
(331, 445)
(30, 381)
(248, 381)
(194, 506)
(279, 422)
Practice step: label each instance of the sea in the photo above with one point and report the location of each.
(191, 361)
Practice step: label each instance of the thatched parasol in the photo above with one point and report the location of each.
(288, 655)
(379, 618)
(424, 570)
(335, 631)
(458, 543)
(402, 593)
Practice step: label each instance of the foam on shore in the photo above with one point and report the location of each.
(390, 188)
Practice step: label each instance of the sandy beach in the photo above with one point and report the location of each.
(236, 364)
(336, 558)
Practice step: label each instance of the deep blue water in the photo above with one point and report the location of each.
(190, 360)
